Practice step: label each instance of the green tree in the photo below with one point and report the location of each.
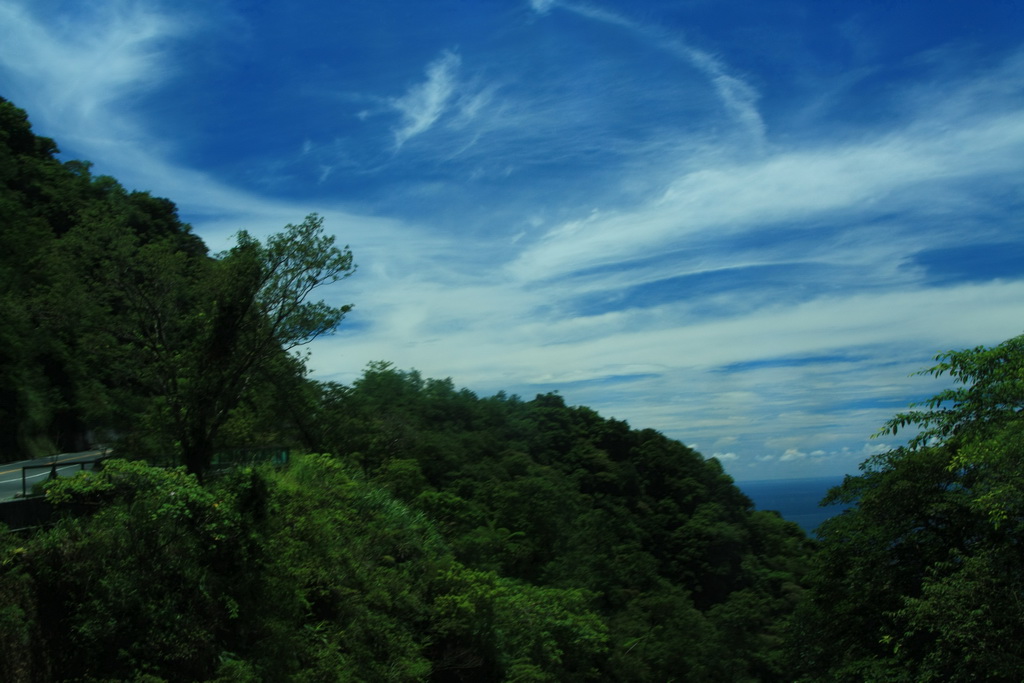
(543, 494)
(131, 584)
(39, 197)
(194, 336)
(922, 580)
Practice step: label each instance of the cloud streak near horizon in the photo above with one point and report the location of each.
(745, 241)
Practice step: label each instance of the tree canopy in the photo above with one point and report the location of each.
(923, 579)
(439, 536)
(421, 532)
(196, 335)
(119, 324)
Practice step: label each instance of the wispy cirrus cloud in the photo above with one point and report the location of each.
(738, 97)
(78, 72)
(89, 61)
(541, 6)
(869, 178)
(639, 238)
(426, 102)
(839, 221)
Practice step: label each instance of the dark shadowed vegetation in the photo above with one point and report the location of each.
(430, 534)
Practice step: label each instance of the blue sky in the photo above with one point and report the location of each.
(743, 224)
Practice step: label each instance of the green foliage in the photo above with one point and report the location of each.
(559, 497)
(117, 321)
(38, 386)
(492, 628)
(446, 537)
(200, 338)
(991, 394)
(18, 618)
(306, 574)
(922, 580)
(142, 596)
(501, 568)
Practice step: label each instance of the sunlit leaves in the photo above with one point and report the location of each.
(990, 392)
(922, 578)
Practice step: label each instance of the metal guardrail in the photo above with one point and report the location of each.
(54, 467)
(33, 511)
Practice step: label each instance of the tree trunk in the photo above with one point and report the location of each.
(198, 454)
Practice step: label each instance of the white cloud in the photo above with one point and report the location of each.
(873, 177)
(85, 63)
(424, 103)
(792, 454)
(542, 6)
(470, 105)
(738, 97)
(491, 337)
(875, 448)
(495, 313)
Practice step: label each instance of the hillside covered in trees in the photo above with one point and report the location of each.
(429, 534)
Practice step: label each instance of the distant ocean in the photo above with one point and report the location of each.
(796, 499)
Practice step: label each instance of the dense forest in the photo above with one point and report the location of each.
(420, 532)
